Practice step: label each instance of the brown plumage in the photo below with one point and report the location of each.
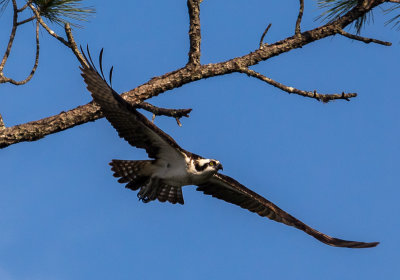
(137, 173)
(230, 190)
(177, 167)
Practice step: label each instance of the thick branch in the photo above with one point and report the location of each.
(363, 39)
(194, 32)
(38, 129)
(311, 94)
(299, 17)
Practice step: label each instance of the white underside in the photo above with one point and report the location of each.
(180, 173)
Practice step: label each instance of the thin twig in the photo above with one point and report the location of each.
(363, 39)
(26, 20)
(312, 94)
(194, 32)
(25, 6)
(11, 40)
(73, 46)
(51, 32)
(299, 17)
(35, 65)
(38, 129)
(263, 35)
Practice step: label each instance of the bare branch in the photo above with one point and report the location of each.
(311, 94)
(2, 126)
(35, 65)
(178, 122)
(157, 111)
(26, 20)
(24, 6)
(11, 40)
(194, 32)
(36, 130)
(299, 17)
(51, 32)
(363, 39)
(73, 46)
(263, 35)
(89, 112)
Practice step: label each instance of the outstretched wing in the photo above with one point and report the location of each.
(228, 189)
(130, 124)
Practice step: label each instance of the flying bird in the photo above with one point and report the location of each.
(171, 167)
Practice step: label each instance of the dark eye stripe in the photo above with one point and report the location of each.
(198, 167)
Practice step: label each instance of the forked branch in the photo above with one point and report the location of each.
(179, 77)
(11, 39)
(35, 65)
(3, 78)
(44, 25)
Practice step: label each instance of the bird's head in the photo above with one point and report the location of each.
(207, 166)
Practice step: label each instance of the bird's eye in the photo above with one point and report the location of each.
(211, 163)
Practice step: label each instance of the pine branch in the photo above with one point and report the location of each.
(59, 11)
(311, 94)
(89, 112)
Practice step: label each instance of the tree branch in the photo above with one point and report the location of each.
(73, 46)
(25, 6)
(35, 65)
(158, 111)
(26, 20)
(311, 94)
(194, 32)
(51, 32)
(11, 40)
(89, 112)
(2, 126)
(363, 39)
(263, 35)
(299, 17)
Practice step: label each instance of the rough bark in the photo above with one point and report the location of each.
(38, 129)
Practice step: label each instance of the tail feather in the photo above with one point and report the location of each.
(137, 173)
(171, 194)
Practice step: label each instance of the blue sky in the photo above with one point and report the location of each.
(334, 166)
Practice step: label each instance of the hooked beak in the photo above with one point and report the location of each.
(220, 167)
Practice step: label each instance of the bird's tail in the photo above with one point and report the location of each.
(137, 173)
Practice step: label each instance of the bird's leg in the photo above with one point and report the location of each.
(148, 191)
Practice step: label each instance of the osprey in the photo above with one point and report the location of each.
(172, 167)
